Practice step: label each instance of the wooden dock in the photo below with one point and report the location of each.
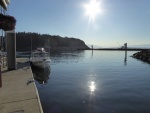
(16, 96)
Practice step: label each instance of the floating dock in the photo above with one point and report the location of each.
(17, 94)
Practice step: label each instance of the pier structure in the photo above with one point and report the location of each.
(18, 93)
(92, 47)
(125, 46)
(7, 23)
(125, 58)
(11, 49)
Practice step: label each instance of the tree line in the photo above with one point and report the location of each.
(27, 41)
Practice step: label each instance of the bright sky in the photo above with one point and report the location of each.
(115, 21)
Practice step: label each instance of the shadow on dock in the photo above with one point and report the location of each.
(21, 63)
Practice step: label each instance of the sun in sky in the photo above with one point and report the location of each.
(92, 9)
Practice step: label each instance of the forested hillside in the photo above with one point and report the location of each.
(27, 41)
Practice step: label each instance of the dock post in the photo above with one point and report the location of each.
(0, 65)
(0, 71)
(125, 59)
(92, 47)
(0, 77)
(11, 49)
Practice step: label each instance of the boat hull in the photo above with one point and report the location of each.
(41, 64)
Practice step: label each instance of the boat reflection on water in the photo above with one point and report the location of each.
(41, 74)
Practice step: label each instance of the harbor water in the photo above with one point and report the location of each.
(96, 82)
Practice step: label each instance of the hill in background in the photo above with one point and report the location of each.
(31, 41)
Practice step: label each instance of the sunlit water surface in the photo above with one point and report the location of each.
(96, 82)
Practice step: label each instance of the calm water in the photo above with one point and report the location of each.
(98, 82)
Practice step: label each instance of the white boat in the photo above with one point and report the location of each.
(40, 58)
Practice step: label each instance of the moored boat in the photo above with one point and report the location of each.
(40, 58)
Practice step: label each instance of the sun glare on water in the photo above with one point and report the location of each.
(92, 86)
(92, 9)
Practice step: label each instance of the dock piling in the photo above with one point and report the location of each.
(11, 50)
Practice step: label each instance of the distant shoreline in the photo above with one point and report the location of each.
(118, 49)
